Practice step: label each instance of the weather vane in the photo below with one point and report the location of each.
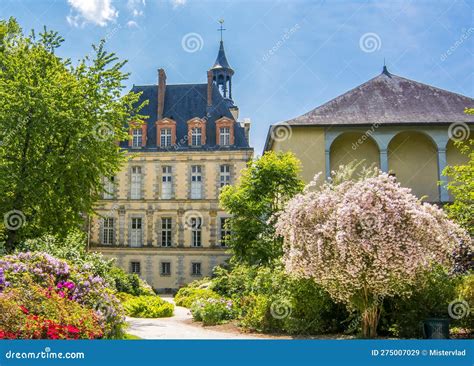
(221, 29)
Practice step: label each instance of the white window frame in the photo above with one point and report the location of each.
(224, 175)
(136, 232)
(194, 269)
(136, 183)
(224, 136)
(196, 182)
(137, 137)
(196, 136)
(108, 231)
(166, 232)
(135, 267)
(109, 188)
(167, 182)
(165, 137)
(166, 265)
(196, 232)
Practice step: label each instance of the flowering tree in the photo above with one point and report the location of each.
(364, 240)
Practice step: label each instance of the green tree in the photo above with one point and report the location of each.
(265, 186)
(461, 185)
(59, 127)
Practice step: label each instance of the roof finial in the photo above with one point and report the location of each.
(221, 29)
(385, 70)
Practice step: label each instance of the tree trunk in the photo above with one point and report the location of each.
(370, 320)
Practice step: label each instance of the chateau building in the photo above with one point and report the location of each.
(402, 126)
(160, 216)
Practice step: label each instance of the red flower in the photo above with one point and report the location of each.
(25, 310)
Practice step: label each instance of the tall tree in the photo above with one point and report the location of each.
(365, 240)
(265, 186)
(59, 127)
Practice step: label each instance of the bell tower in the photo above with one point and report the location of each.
(222, 72)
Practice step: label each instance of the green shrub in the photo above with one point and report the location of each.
(148, 307)
(212, 311)
(129, 283)
(269, 300)
(431, 295)
(465, 292)
(256, 314)
(186, 296)
(74, 248)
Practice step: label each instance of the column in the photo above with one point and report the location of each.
(443, 192)
(328, 164)
(149, 227)
(384, 160)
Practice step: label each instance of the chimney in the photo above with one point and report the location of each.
(246, 126)
(161, 92)
(209, 88)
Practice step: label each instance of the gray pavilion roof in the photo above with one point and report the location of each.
(390, 99)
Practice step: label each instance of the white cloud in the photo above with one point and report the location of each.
(177, 3)
(136, 7)
(98, 12)
(132, 24)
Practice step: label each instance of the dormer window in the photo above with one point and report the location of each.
(165, 137)
(196, 136)
(224, 136)
(137, 137)
(196, 132)
(225, 131)
(166, 132)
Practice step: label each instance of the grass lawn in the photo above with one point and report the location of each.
(130, 337)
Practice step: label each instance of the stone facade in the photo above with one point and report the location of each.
(149, 250)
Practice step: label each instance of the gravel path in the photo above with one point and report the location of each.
(177, 327)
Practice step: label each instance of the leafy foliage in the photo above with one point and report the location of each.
(212, 311)
(365, 240)
(431, 293)
(186, 296)
(67, 281)
(461, 186)
(59, 125)
(265, 186)
(73, 248)
(267, 299)
(31, 312)
(148, 307)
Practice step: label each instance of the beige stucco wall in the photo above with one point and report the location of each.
(152, 208)
(352, 146)
(307, 143)
(412, 156)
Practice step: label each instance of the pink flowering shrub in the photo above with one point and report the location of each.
(365, 240)
(59, 278)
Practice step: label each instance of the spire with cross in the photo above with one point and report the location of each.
(221, 29)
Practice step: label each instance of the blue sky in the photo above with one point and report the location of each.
(288, 56)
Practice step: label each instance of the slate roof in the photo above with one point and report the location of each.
(183, 102)
(221, 60)
(390, 99)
